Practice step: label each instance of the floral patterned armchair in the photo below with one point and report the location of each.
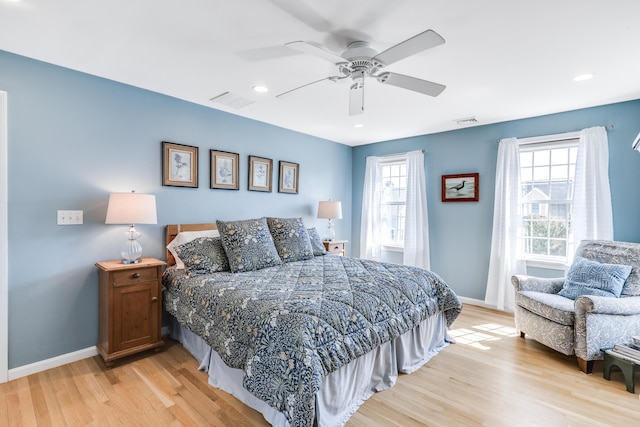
(589, 323)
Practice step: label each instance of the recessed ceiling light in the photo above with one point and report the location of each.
(261, 89)
(582, 77)
(358, 125)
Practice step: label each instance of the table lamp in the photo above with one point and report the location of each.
(330, 210)
(131, 208)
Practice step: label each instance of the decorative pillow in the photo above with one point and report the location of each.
(291, 239)
(316, 242)
(203, 255)
(248, 244)
(187, 236)
(586, 277)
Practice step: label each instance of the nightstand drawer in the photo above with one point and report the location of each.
(134, 275)
(335, 247)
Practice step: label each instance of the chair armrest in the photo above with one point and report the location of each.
(625, 306)
(537, 284)
(609, 321)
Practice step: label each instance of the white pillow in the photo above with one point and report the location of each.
(187, 236)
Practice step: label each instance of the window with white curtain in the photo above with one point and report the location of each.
(393, 203)
(547, 174)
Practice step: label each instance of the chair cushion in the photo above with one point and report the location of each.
(550, 306)
(587, 277)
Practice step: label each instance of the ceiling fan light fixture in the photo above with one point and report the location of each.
(360, 61)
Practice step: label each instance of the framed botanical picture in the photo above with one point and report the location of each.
(260, 173)
(288, 182)
(179, 165)
(464, 187)
(224, 170)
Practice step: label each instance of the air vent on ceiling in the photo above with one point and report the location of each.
(467, 121)
(232, 100)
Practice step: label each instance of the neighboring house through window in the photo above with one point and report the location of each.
(547, 174)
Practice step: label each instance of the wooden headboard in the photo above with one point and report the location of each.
(172, 231)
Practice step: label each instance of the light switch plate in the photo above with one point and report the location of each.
(69, 217)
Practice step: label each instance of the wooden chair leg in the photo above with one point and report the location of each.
(585, 366)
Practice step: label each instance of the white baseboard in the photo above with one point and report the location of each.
(54, 362)
(473, 301)
(479, 303)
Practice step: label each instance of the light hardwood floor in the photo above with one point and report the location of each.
(490, 377)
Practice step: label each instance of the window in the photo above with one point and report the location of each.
(547, 172)
(394, 195)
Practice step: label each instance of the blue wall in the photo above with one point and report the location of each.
(73, 139)
(460, 233)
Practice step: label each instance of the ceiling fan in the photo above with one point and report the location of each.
(360, 61)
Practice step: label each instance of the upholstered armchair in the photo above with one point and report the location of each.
(589, 323)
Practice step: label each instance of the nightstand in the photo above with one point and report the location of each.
(130, 308)
(336, 247)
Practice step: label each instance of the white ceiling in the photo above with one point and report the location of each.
(502, 60)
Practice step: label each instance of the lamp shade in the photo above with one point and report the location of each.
(131, 208)
(330, 209)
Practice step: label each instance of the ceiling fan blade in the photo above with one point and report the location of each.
(305, 47)
(356, 98)
(331, 78)
(411, 83)
(423, 41)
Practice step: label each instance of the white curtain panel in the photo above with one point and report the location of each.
(506, 244)
(416, 227)
(370, 239)
(592, 214)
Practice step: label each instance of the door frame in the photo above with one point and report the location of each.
(4, 240)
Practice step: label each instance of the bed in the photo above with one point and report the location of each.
(306, 342)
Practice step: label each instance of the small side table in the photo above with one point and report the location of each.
(129, 308)
(335, 247)
(627, 366)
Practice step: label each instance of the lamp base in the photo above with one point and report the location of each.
(132, 250)
(331, 233)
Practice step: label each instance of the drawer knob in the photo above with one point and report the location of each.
(135, 275)
(154, 299)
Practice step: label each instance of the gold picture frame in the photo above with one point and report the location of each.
(260, 174)
(288, 180)
(224, 172)
(179, 165)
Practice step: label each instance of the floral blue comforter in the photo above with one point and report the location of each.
(290, 325)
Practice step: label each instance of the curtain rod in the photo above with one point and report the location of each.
(394, 155)
(557, 136)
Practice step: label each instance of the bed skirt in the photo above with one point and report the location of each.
(343, 391)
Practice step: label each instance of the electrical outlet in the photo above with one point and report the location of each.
(69, 217)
